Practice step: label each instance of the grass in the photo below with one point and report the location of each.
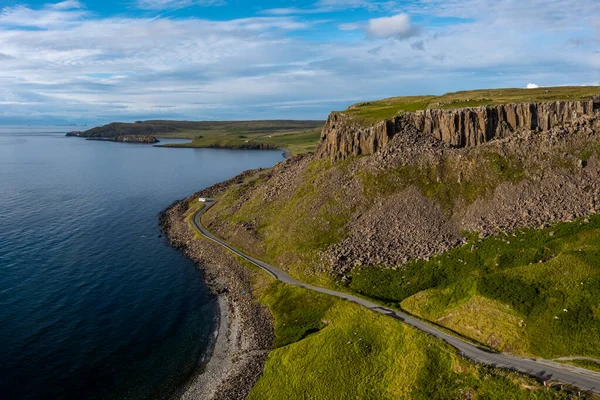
(332, 349)
(298, 312)
(543, 285)
(375, 111)
(294, 141)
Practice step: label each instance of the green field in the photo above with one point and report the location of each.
(328, 348)
(294, 141)
(375, 111)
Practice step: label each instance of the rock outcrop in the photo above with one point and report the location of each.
(463, 127)
(143, 139)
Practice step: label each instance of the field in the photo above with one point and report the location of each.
(375, 111)
(294, 141)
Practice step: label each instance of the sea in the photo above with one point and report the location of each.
(94, 304)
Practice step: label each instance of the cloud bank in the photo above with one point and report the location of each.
(64, 61)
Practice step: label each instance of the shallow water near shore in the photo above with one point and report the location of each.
(93, 303)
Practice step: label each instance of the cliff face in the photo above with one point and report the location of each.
(143, 139)
(462, 127)
(340, 138)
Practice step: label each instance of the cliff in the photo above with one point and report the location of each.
(143, 139)
(343, 136)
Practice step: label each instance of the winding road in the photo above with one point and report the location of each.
(543, 370)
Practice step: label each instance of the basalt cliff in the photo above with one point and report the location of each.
(343, 136)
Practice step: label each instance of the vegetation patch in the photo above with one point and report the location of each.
(298, 312)
(293, 231)
(358, 354)
(374, 111)
(548, 280)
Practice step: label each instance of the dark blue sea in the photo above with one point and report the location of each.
(93, 303)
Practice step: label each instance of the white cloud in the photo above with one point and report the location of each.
(351, 26)
(52, 15)
(175, 4)
(66, 5)
(531, 86)
(397, 26)
(372, 5)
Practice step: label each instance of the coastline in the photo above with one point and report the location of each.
(244, 334)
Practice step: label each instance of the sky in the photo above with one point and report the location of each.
(97, 61)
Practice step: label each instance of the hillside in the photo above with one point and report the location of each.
(296, 136)
(494, 239)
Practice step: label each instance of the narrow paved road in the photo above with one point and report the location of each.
(543, 370)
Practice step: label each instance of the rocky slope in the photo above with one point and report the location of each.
(343, 136)
(414, 198)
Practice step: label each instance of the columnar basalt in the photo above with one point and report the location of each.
(342, 136)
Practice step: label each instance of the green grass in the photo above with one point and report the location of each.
(375, 111)
(332, 349)
(294, 141)
(528, 279)
(298, 312)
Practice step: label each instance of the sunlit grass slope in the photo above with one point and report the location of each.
(537, 292)
(332, 349)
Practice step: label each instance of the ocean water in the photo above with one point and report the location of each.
(93, 303)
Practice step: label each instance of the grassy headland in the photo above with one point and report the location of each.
(296, 136)
(375, 111)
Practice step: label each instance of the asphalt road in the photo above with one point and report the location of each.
(544, 370)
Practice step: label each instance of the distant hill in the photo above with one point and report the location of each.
(192, 129)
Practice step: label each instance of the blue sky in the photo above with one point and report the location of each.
(95, 61)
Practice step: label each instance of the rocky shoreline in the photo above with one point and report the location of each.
(245, 332)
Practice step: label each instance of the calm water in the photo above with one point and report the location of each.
(93, 304)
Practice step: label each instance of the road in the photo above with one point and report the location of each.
(544, 370)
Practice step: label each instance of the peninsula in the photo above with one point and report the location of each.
(296, 137)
